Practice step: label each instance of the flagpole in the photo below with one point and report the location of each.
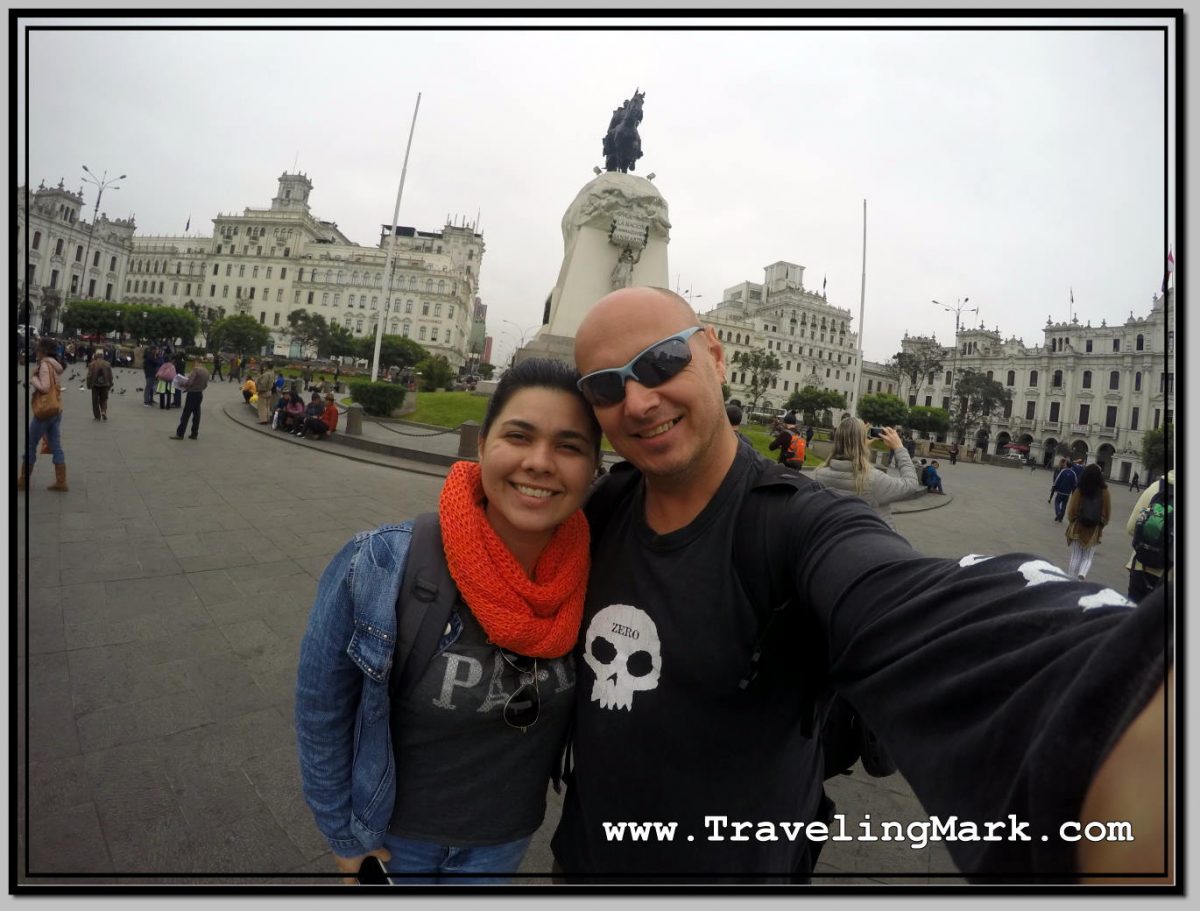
(862, 303)
(387, 265)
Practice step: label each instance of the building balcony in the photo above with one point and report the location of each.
(1081, 428)
(1108, 433)
(1052, 425)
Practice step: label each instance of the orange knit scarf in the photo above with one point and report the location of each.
(536, 617)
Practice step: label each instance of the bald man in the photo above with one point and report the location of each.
(998, 684)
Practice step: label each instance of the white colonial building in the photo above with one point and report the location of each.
(66, 255)
(810, 337)
(1094, 389)
(269, 262)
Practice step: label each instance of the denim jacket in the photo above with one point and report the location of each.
(342, 701)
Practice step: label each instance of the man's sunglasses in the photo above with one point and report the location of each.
(525, 704)
(651, 368)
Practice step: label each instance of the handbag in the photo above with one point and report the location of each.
(47, 405)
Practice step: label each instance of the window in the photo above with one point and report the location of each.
(1056, 380)
(310, 298)
(946, 402)
(437, 309)
(212, 290)
(216, 268)
(287, 252)
(1033, 378)
(228, 269)
(451, 313)
(1116, 344)
(429, 285)
(279, 296)
(92, 289)
(1140, 344)
(407, 327)
(324, 298)
(408, 306)
(1054, 411)
(282, 272)
(357, 323)
(1029, 410)
(424, 308)
(1133, 419)
(79, 253)
(108, 291)
(989, 373)
(947, 372)
(349, 300)
(174, 287)
(37, 239)
(275, 322)
(870, 383)
(1114, 380)
(337, 298)
(395, 324)
(375, 305)
(928, 401)
(254, 273)
(1085, 412)
(1012, 378)
(1137, 382)
(54, 278)
(1087, 379)
(96, 261)
(1110, 416)
(1087, 346)
(262, 317)
(433, 334)
(112, 265)
(421, 334)
(1157, 417)
(58, 247)
(225, 291)
(242, 271)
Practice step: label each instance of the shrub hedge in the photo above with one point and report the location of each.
(378, 399)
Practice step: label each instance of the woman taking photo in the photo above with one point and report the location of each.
(439, 765)
(850, 469)
(1088, 510)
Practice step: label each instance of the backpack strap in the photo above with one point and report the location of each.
(427, 597)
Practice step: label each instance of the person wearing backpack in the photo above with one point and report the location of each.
(984, 678)
(1088, 510)
(47, 399)
(1064, 483)
(1151, 524)
(436, 676)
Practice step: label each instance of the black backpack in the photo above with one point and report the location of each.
(1090, 509)
(844, 737)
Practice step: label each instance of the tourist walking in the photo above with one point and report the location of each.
(954, 453)
(1064, 482)
(849, 468)
(99, 380)
(46, 402)
(150, 365)
(216, 371)
(1088, 511)
(1134, 484)
(502, 568)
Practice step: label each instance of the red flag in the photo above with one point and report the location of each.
(1170, 269)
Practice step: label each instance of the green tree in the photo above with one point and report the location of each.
(206, 316)
(882, 409)
(928, 420)
(241, 333)
(91, 317)
(394, 351)
(1154, 448)
(917, 368)
(161, 322)
(338, 342)
(977, 399)
(486, 371)
(306, 328)
(436, 373)
(812, 402)
(763, 368)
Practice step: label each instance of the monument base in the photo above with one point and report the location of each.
(553, 347)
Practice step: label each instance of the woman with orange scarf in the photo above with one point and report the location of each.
(439, 770)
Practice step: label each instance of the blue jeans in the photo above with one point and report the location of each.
(424, 857)
(1060, 505)
(51, 429)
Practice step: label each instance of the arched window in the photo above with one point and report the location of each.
(1137, 382)
(349, 300)
(947, 377)
(375, 303)
(412, 282)
(421, 334)
(395, 323)
(1087, 380)
(408, 306)
(1053, 344)
(37, 242)
(78, 252)
(354, 278)
(450, 313)
(1141, 341)
(58, 247)
(441, 286)
(1032, 377)
(339, 276)
(424, 308)
(1012, 378)
(429, 285)
(1056, 381)
(1114, 380)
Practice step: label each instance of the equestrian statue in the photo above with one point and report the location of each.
(622, 145)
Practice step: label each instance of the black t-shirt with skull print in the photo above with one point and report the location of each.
(997, 683)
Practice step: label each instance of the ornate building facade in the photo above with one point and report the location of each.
(67, 256)
(1094, 389)
(262, 262)
(268, 262)
(810, 337)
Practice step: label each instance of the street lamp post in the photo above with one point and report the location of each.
(524, 334)
(958, 310)
(101, 183)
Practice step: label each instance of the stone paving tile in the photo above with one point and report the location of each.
(68, 841)
(174, 588)
(255, 843)
(90, 634)
(57, 785)
(276, 777)
(235, 739)
(226, 686)
(220, 560)
(143, 720)
(211, 794)
(46, 630)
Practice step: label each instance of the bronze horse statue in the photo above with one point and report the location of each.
(622, 145)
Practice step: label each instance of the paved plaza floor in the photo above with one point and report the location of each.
(169, 590)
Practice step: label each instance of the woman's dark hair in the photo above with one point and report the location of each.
(1092, 480)
(538, 373)
(47, 346)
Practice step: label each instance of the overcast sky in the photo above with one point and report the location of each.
(1007, 166)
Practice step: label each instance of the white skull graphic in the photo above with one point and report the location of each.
(624, 652)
